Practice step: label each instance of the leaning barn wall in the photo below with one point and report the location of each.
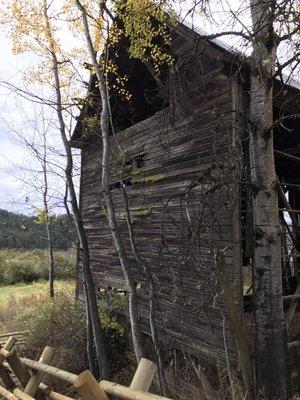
(180, 172)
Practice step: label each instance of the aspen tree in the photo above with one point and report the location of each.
(34, 29)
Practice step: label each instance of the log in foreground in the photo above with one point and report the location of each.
(51, 394)
(144, 375)
(48, 369)
(88, 388)
(20, 333)
(21, 395)
(36, 378)
(123, 392)
(7, 394)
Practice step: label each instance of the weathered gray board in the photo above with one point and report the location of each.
(194, 140)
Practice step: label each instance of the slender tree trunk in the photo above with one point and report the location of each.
(89, 342)
(143, 264)
(77, 272)
(91, 298)
(77, 267)
(104, 117)
(51, 260)
(271, 341)
(47, 224)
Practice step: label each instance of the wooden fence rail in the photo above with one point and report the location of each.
(20, 336)
(29, 374)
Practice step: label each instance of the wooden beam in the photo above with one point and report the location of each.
(4, 353)
(2, 343)
(7, 394)
(22, 395)
(37, 376)
(48, 369)
(88, 388)
(144, 375)
(53, 395)
(291, 311)
(289, 210)
(294, 296)
(293, 344)
(125, 393)
(282, 153)
(4, 335)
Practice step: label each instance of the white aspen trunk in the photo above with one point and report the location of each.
(104, 117)
(90, 292)
(271, 341)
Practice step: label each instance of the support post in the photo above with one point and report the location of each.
(144, 375)
(37, 376)
(88, 388)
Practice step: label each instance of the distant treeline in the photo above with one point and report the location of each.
(19, 231)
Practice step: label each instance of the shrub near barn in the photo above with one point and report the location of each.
(18, 266)
(60, 323)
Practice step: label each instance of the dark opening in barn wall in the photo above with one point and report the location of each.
(287, 164)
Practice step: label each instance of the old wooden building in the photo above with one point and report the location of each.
(181, 153)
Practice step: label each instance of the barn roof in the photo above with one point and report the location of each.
(200, 33)
(193, 33)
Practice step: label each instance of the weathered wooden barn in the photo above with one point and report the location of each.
(182, 155)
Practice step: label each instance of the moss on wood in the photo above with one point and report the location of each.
(148, 180)
(135, 212)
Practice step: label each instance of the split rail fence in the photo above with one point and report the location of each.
(20, 336)
(22, 379)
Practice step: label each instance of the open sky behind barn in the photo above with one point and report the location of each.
(19, 169)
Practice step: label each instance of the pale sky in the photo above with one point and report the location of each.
(10, 151)
(20, 172)
(17, 192)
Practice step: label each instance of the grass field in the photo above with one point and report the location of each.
(20, 290)
(11, 295)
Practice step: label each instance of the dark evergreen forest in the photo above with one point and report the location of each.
(19, 231)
